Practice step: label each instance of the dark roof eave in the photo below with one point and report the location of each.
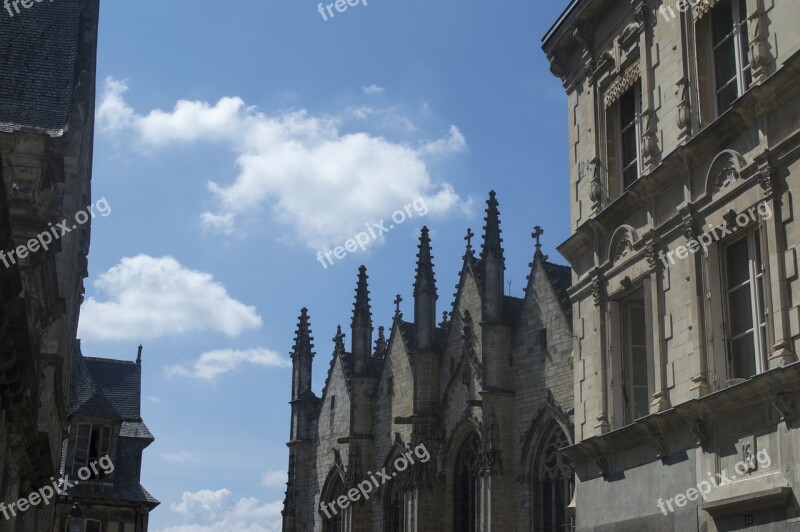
(571, 8)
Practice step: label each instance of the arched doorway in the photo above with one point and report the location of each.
(466, 490)
(333, 518)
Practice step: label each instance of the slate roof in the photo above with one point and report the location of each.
(38, 58)
(560, 279)
(104, 388)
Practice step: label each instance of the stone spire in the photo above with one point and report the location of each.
(493, 262)
(424, 295)
(492, 243)
(302, 397)
(362, 325)
(302, 356)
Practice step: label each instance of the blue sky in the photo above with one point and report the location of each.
(236, 140)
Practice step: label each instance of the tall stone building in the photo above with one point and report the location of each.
(47, 94)
(684, 147)
(104, 417)
(479, 405)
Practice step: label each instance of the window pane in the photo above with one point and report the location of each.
(741, 310)
(743, 357)
(627, 107)
(725, 63)
(630, 175)
(641, 402)
(737, 259)
(629, 147)
(722, 20)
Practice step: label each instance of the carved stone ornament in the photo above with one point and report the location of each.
(726, 177)
(624, 82)
(703, 8)
(624, 247)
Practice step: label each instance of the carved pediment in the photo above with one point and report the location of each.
(724, 171)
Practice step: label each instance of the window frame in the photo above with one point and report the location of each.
(759, 319)
(743, 76)
(622, 128)
(82, 452)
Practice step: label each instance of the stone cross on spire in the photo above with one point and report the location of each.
(397, 301)
(537, 232)
(468, 238)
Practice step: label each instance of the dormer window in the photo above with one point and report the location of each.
(92, 442)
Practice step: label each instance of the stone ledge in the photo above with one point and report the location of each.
(756, 500)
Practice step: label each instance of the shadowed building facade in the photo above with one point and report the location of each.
(487, 393)
(47, 95)
(684, 148)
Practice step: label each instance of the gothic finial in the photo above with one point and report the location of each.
(492, 243)
(303, 341)
(139, 356)
(445, 321)
(538, 232)
(468, 238)
(397, 301)
(338, 340)
(425, 281)
(380, 343)
(362, 316)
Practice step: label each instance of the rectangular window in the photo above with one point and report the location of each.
(542, 339)
(91, 443)
(636, 377)
(746, 311)
(729, 41)
(630, 134)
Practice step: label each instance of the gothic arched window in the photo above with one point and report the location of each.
(332, 515)
(395, 508)
(466, 491)
(553, 484)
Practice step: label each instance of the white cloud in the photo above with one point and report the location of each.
(154, 399)
(149, 297)
(274, 479)
(212, 364)
(114, 113)
(453, 143)
(372, 89)
(180, 457)
(323, 185)
(213, 511)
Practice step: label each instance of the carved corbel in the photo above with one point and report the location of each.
(784, 405)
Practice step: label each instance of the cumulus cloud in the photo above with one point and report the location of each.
(274, 479)
(372, 89)
(322, 184)
(149, 297)
(214, 511)
(212, 364)
(179, 457)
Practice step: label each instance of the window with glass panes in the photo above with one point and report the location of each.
(634, 330)
(91, 443)
(746, 309)
(630, 110)
(730, 44)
